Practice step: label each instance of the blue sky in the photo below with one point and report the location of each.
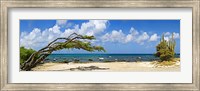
(116, 36)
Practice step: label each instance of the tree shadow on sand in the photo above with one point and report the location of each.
(90, 68)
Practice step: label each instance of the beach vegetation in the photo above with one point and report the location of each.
(173, 62)
(25, 54)
(165, 49)
(73, 41)
(167, 63)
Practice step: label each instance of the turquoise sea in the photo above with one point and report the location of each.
(103, 57)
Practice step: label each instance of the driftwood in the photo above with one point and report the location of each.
(72, 41)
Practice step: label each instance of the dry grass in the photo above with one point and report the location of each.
(172, 62)
(166, 63)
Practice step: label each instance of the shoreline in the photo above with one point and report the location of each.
(143, 66)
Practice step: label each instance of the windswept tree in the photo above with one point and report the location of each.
(165, 49)
(74, 41)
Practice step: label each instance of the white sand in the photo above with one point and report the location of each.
(106, 66)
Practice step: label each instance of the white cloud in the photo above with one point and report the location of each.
(133, 31)
(144, 36)
(114, 36)
(37, 38)
(129, 38)
(166, 38)
(169, 35)
(31, 39)
(93, 27)
(23, 34)
(55, 29)
(176, 35)
(119, 36)
(106, 37)
(61, 22)
(67, 32)
(154, 37)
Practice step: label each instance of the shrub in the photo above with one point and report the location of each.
(166, 55)
(165, 49)
(25, 54)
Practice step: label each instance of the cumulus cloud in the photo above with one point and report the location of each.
(119, 36)
(176, 35)
(154, 37)
(38, 38)
(132, 35)
(133, 31)
(114, 36)
(166, 38)
(128, 38)
(144, 36)
(61, 22)
(93, 27)
(169, 35)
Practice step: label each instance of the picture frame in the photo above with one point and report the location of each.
(4, 56)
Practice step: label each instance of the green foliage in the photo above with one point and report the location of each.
(88, 37)
(25, 54)
(74, 41)
(99, 48)
(166, 55)
(77, 44)
(165, 49)
(162, 46)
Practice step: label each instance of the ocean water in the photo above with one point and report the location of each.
(103, 57)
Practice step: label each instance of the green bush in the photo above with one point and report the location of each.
(166, 55)
(25, 54)
(165, 49)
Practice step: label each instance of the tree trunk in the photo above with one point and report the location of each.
(46, 51)
(73, 39)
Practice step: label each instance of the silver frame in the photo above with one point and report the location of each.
(6, 4)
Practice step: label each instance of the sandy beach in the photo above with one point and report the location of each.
(108, 66)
